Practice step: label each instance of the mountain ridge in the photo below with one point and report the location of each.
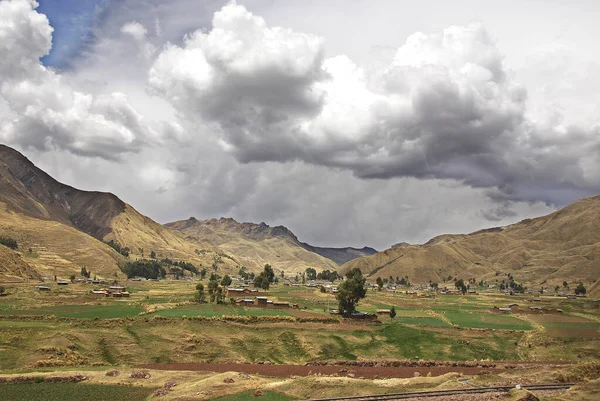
(564, 245)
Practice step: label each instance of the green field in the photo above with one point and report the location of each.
(156, 325)
(71, 392)
(108, 311)
(486, 320)
(209, 310)
(247, 395)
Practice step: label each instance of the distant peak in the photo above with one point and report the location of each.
(192, 219)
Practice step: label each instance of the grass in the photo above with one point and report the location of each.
(487, 321)
(422, 321)
(109, 311)
(71, 392)
(247, 395)
(210, 310)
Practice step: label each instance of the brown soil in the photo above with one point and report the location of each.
(366, 372)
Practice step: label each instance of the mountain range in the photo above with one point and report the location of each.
(564, 245)
(60, 229)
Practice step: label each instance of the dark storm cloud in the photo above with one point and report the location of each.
(444, 108)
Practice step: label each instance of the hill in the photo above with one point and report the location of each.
(67, 228)
(253, 245)
(61, 229)
(564, 245)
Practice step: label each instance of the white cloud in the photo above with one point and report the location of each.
(445, 107)
(47, 111)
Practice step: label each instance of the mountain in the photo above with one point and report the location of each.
(60, 229)
(564, 245)
(257, 244)
(66, 228)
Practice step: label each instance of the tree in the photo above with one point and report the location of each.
(393, 312)
(351, 291)
(9, 242)
(261, 281)
(212, 289)
(580, 290)
(203, 273)
(226, 280)
(565, 284)
(199, 295)
(460, 284)
(152, 255)
(379, 282)
(269, 273)
(72, 278)
(85, 272)
(311, 273)
(2, 290)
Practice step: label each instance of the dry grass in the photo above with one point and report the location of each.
(561, 246)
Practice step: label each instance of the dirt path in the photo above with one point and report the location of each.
(368, 372)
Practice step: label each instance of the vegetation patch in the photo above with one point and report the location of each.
(71, 392)
(249, 395)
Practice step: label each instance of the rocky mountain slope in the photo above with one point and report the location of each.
(66, 229)
(253, 245)
(564, 245)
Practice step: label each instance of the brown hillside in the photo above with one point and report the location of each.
(13, 267)
(253, 245)
(57, 249)
(564, 245)
(43, 212)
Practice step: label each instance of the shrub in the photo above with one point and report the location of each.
(9, 242)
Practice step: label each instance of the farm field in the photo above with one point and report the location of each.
(159, 324)
(71, 392)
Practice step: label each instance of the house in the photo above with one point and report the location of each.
(245, 302)
(384, 312)
(62, 282)
(295, 306)
(277, 304)
(261, 301)
(42, 288)
(100, 293)
(116, 288)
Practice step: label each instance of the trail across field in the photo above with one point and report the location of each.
(367, 372)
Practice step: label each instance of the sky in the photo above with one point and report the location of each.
(352, 123)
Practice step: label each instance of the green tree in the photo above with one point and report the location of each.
(2, 290)
(213, 285)
(199, 295)
(152, 255)
(226, 280)
(72, 278)
(351, 291)
(261, 281)
(269, 273)
(203, 273)
(393, 312)
(311, 273)
(460, 284)
(379, 282)
(580, 290)
(9, 242)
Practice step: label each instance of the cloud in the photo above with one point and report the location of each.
(445, 107)
(139, 34)
(47, 111)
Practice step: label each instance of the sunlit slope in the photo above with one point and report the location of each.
(564, 245)
(56, 249)
(253, 245)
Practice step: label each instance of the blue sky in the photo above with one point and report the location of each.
(73, 21)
